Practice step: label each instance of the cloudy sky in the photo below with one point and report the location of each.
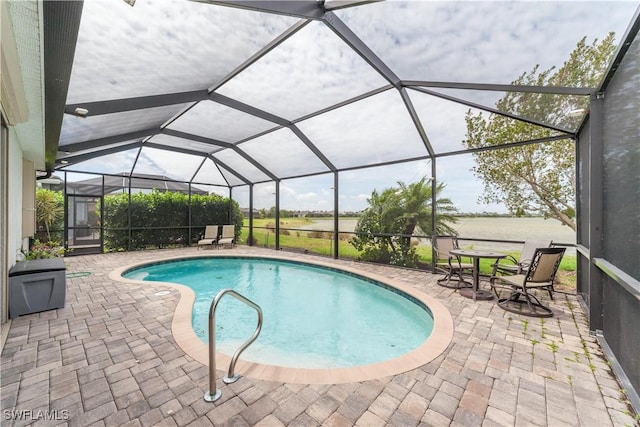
(172, 46)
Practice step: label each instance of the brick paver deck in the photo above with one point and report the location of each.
(109, 359)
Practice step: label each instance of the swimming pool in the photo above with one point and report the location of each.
(378, 328)
(314, 317)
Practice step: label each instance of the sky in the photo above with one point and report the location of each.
(172, 46)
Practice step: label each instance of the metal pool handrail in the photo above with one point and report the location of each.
(214, 394)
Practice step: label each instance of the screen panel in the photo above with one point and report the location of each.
(371, 131)
(108, 164)
(621, 152)
(238, 163)
(80, 129)
(283, 153)
(177, 166)
(312, 70)
(172, 141)
(163, 47)
(213, 120)
(447, 41)
(209, 173)
(564, 111)
(448, 125)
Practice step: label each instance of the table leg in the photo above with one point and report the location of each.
(475, 292)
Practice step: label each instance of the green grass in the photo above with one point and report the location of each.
(299, 240)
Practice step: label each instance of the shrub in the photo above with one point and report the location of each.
(318, 235)
(49, 211)
(43, 250)
(159, 219)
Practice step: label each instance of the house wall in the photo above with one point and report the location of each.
(21, 102)
(4, 260)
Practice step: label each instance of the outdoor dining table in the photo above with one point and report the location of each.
(475, 292)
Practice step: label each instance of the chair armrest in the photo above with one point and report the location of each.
(497, 264)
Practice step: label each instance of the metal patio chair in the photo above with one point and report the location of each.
(540, 275)
(450, 264)
(520, 265)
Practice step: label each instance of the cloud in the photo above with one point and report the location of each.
(490, 42)
(163, 46)
(311, 70)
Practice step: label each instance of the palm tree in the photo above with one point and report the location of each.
(399, 211)
(49, 209)
(415, 209)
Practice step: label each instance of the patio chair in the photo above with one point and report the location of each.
(450, 264)
(210, 237)
(540, 275)
(521, 265)
(228, 235)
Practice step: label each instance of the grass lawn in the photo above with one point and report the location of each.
(322, 244)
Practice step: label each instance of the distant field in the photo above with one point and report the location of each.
(321, 240)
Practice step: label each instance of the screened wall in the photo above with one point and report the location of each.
(609, 233)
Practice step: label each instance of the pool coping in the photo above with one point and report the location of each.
(186, 338)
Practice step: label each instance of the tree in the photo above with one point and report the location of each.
(49, 210)
(538, 178)
(386, 226)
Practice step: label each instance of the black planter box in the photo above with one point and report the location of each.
(37, 285)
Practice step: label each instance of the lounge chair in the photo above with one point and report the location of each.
(210, 237)
(540, 275)
(450, 264)
(521, 265)
(228, 235)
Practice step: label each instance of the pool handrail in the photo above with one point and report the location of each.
(214, 394)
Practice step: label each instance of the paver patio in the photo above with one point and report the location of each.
(109, 359)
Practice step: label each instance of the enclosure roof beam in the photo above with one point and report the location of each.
(493, 110)
(311, 146)
(182, 150)
(344, 103)
(193, 153)
(77, 158)
(229, 102)
(109, 140)
(507, 145)
(342, 4)
(299, 8)
(137, 103)
(259, 54)
(317, 113)
(416, 120)
(627, 38)
(358, 46)
(232, 171)
(218, 143)
(246, 108)
(60, 27)
(557, 90)
(197, 138)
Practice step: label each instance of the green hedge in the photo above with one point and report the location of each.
(161, 219)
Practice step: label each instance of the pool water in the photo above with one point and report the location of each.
(314, 317)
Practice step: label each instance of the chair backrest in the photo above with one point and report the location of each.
(444, 244)
(544, 265)
(529, 249)
(211, 232)
(228, 231)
